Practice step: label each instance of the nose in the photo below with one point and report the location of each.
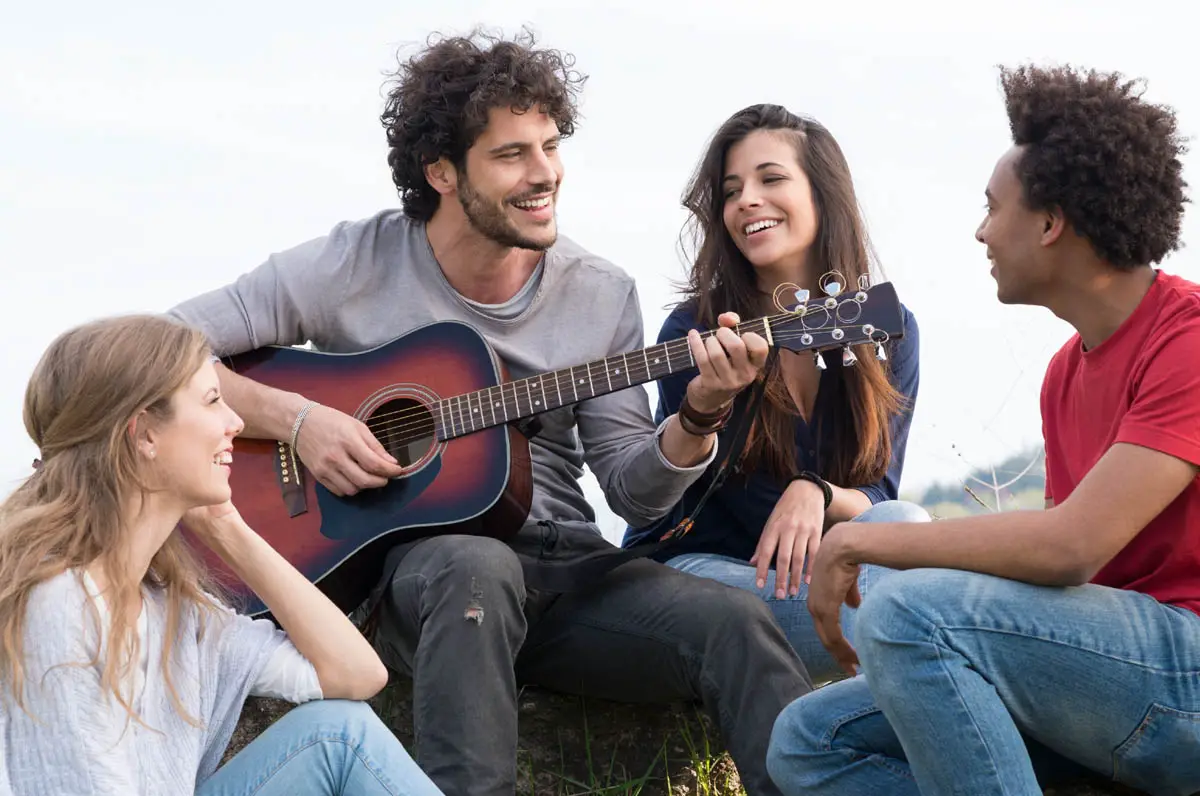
(541, 170)
(979, 231)
(235, 425)
(749, 198)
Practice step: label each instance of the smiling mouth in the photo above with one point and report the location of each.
(759, 226)
(224, 457)
(534, 204)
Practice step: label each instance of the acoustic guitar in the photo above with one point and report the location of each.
(439, 400)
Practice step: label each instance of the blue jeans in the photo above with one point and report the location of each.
(792, 612)
(979, 685)
(328, 747)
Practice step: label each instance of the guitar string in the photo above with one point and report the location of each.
(680, 346)
(423, 417)
(426, 425)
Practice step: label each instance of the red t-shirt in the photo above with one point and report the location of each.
(1140, 386)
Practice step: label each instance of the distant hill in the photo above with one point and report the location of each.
(1021, 478)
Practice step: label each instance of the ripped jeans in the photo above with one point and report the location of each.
(458, 618)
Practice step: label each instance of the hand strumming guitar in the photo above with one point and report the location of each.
(342, 453)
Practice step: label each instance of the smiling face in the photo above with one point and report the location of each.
(1015, 237)
(191, 449)
(509, 185)
(768, 205)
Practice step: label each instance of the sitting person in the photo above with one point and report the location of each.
(475, 128)
(1025, 646)
(828, 445)
(122, 673)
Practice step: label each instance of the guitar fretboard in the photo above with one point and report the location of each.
(515, 400)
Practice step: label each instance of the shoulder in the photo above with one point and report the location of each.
(577, 264)
(681, 320)
(59, 603)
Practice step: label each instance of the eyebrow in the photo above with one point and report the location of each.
(759, 167)
(496, 150)
(988, 193)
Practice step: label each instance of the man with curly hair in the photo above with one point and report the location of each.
(1020, 648)
(474, 126)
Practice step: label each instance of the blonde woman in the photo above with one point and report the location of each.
(121, 673)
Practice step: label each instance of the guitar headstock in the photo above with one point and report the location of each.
(866, 315)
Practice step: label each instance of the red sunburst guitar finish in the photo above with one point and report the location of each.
(438, 400)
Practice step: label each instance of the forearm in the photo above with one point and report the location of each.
(346, 665)
(1019, 545)
(268, 413)
(683, 449)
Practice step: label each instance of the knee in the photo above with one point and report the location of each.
(903, 609)
(795, 744)
(344, 719)
(481, 562)
(894, 511)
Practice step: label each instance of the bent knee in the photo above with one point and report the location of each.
(482, 558)
(353, 718)
(894, 511)
(910, 605)
(795, 740)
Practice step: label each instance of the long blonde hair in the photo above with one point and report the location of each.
(84, 394)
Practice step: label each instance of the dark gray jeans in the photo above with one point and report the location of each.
(458, 619)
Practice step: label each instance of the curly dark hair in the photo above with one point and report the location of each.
(439, 101)
(1109, 160)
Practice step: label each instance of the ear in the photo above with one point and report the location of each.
(144, 435)
(442, 176)
(1054, 224)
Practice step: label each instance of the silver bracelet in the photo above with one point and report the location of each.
(304, 410)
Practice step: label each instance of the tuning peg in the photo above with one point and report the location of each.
(848, 357)
(802, 296)
(820, 362)
(864, 282)
(880, 353)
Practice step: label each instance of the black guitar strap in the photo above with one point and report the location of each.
(576, 574)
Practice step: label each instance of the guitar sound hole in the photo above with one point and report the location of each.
(405, 428)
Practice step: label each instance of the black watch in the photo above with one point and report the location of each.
(808, 475)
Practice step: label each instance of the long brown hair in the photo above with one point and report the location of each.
(84, 393)
(723, 280)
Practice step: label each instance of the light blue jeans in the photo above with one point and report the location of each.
(792, 612)
(328, 747)
(979, 685)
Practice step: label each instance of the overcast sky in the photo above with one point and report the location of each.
(152, 151)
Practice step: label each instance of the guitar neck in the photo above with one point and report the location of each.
(515, 400)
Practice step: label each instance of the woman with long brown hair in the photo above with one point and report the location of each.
(120, 671)
(772, 202)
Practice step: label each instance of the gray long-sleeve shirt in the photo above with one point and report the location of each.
(369, 281)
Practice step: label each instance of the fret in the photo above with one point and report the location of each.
(474, 410)
(454, 418)
(646, 359)
(503, 403)
(607, 377)
(558, 387)
(529, 394)
(491, 405)
(542, 385)
(442, 416)
(464, 415)
(512, 385)
(574, 385)
(591, 384)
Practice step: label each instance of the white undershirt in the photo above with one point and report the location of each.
(287, 674)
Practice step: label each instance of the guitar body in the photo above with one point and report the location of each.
(480, 484)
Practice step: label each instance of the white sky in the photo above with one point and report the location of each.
(151, 153)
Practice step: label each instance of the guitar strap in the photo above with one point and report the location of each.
(576, 574)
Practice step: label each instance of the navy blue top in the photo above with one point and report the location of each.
(734, 516)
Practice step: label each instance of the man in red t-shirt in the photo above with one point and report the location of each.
(1014, 649)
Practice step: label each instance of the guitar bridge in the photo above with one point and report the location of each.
(291, 480)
